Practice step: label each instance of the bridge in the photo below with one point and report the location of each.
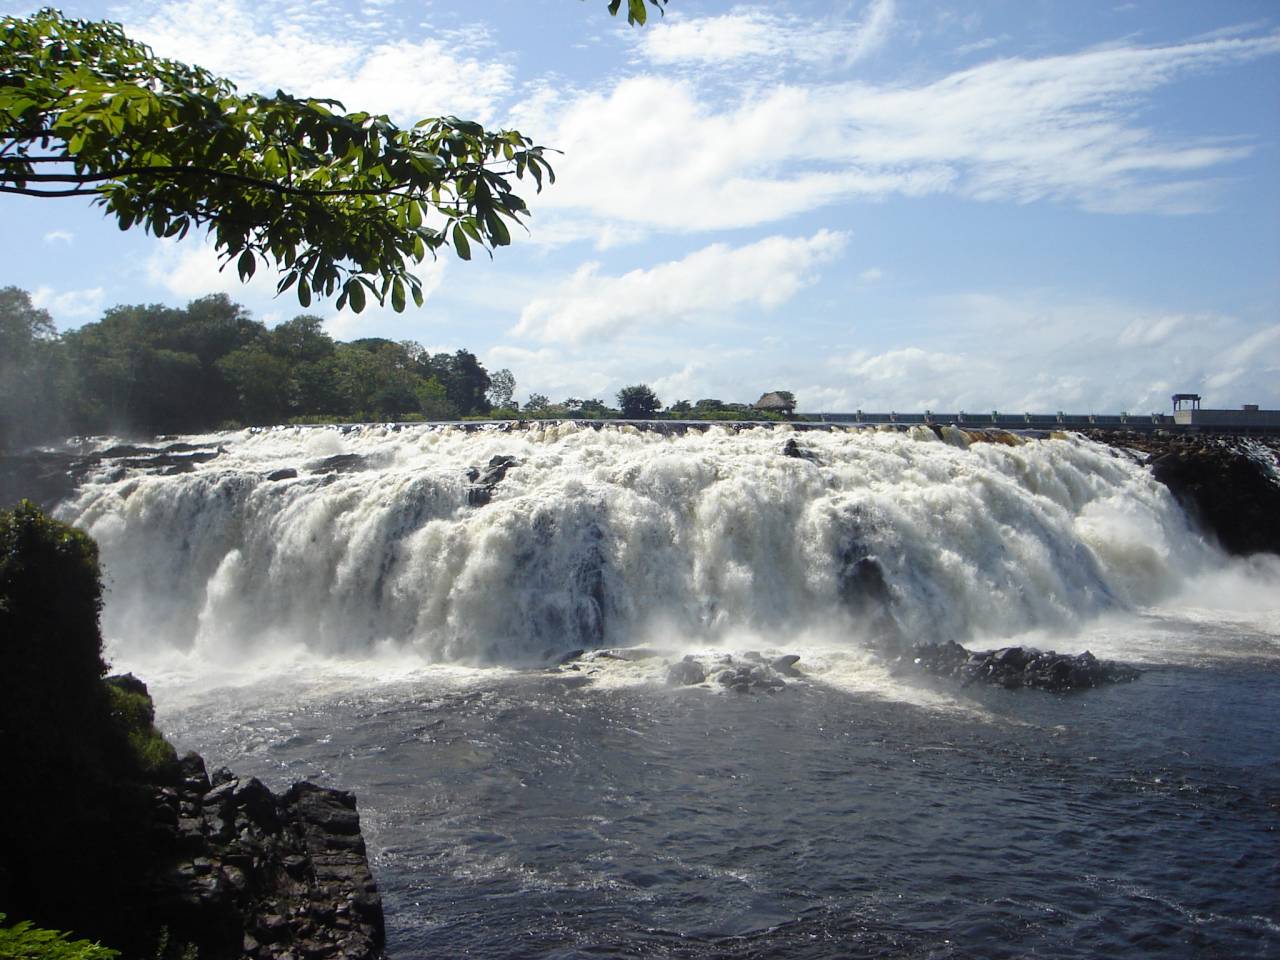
(1247, 420)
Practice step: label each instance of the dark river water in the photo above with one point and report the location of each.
(550, 814)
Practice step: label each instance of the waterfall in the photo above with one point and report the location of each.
(355, 539)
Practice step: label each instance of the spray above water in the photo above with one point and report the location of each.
(509, 546)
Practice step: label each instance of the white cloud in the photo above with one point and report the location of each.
(986, 43)
(714, 279)
(59, 236)
(751, 33)
(871, 275)
(378, 321)
(1042, 355)
(1148, 331)
(1060, 128)
(310, 51)
(69, 304)
(191, 268)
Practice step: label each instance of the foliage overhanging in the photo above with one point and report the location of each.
(335, 201)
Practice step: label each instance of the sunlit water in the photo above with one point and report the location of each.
(372, 631)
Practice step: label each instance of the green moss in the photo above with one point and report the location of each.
(134, 714)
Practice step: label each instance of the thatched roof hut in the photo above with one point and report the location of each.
(779, 401)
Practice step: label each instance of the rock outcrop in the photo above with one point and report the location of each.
(1017, 667)
(241, 872)
(1228, 485)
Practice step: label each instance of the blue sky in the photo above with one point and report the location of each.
(877, 204)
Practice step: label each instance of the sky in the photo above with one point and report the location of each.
(1013, 205)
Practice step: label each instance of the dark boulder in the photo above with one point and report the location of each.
(1016, 667)
(865, 593)
(340, 463)
(288, 473)
(685, 673)
(793, 449)
(482, 483)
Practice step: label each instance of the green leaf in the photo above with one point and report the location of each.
(460, 243)
(397, 295)
(245, 265)
(355, 294)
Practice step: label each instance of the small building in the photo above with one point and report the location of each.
(1245, 420)
(779, 401)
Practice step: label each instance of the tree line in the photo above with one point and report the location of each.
(152, 369)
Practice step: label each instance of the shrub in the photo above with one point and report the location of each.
(22, 941)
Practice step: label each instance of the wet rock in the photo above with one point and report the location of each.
(288, 473)
(292, 881)
(630, 653)
(1228, 485)
(482, 483)
(750, 678)
(685, 673)
(1232, 495)
(1017, 667)
(195, 779)
(865, 593)
(340, 463)
(786, 665)
(793, 449)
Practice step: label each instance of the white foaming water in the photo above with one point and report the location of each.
(612, 537)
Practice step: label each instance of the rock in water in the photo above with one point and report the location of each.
(481, 490)
(786, 665)
(685, 673)
(1015, 667)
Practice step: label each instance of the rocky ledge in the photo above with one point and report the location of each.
(242, 872)
(1230, 486)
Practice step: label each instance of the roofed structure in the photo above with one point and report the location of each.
(778, 401)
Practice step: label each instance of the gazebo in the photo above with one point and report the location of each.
(778, 401)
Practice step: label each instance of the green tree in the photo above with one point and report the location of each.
(301, 340)
(34, 381)
(537, 403)
(155, 368)
(261, 381)
(334, 201)
(433, 400)
(638, 402)
(502, 389)
(465, 379)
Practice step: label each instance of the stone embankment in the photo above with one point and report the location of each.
(242, 872)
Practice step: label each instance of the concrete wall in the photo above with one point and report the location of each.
(1227, 418)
